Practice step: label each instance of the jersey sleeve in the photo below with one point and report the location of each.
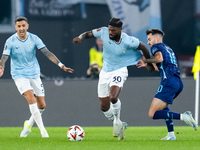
(98, 32)
(39, 43)
(134, 42)
(154, 49)
(7, 48)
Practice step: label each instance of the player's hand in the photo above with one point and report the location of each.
(76, 40)
(67, 69)
(141, 64)
(149, 67)
(1, 71)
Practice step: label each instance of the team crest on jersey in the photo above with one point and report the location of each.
(123, 49)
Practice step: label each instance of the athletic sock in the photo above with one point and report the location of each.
(37, 116)
(171, 134)
(165, 114)
(109, 113)
(182, 117)
(116, 110)
(31, 120)
(169, 122)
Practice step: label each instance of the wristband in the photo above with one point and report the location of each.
(60, 64)
(81, 36)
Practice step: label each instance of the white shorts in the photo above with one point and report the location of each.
(24, 84)
(108, 79)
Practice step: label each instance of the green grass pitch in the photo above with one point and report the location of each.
(100, 138)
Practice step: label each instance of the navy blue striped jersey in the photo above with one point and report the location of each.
(169, 66)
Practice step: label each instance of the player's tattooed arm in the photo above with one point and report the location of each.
(3, 60)
(83, 36)
(55, 60)
(50, 55)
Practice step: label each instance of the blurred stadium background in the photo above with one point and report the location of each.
(57, 22)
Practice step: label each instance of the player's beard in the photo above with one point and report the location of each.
(115, 38)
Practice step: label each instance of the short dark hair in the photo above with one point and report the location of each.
(155, 31)
(115, 22)
(21, 19)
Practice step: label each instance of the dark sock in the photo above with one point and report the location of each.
(169, 122)
(166, 114)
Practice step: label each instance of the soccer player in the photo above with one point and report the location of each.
(25, 71)
(171, 84)
(119, 51)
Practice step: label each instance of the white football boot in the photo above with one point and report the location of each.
(122, 131)
(26, 130)
(188, 119)
(45, 134)
(169, 138)
(117, 125)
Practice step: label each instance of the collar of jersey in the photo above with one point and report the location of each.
(22, 40)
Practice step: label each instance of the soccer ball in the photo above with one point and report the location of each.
(75, 133)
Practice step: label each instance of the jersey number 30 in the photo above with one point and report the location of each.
(117, 79)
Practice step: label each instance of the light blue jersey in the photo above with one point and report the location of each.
(116, 56)
(23, 55)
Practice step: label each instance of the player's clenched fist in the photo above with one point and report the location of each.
(76, 40)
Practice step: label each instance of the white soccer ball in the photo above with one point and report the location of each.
(75, 133)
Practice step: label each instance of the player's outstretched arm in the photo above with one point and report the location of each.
(141, 64)
(55, 60)
(157, 58)
(144, 49)
(3, 60)
(146, 54)
(83, 36)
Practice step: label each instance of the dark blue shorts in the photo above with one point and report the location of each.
(169, 89)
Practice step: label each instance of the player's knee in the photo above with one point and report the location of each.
(42, 106)
(113, 99)
(104, 103)
(104, 107)
(151, 115)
